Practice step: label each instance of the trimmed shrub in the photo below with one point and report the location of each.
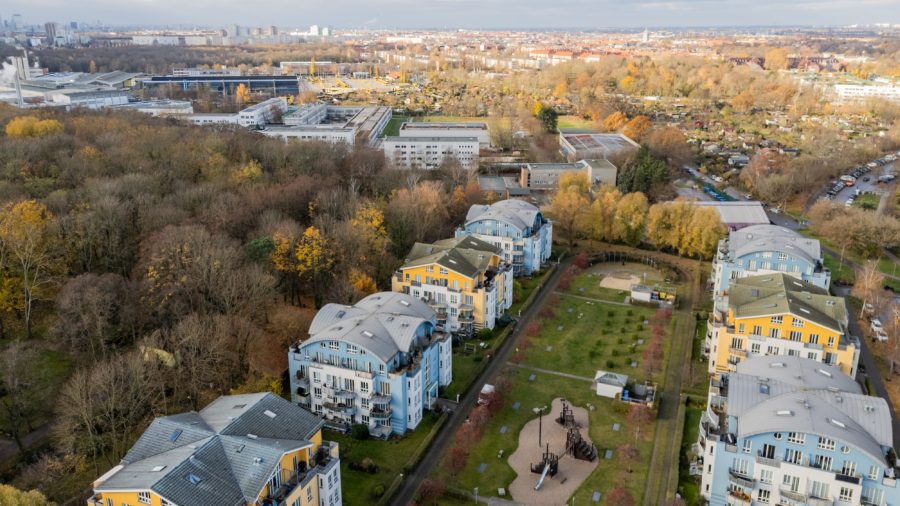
(607, 323)
(627, 320)
(620, 407)
(639, 327)
(360, 432)
(628, 313)
(618, 340)
(378, 491)
(478, 359)
(603, 331)
(634, 336)
(593, 353)
(610, 364)
(611, 314)
(622, 330)
(615, 353)
(485, 334)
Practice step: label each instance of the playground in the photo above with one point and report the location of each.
(570, 467)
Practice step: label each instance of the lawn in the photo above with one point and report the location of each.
(588, 343)
(687, 487)
(885, 265)
(393, 127)
(463, 367)
(867, 201)
(573, 122)
(701, 382)
(541, 392)
(589, 287)
(390, 457)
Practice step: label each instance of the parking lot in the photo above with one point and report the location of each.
(870, 186)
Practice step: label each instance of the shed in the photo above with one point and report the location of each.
(610, 384)
(641, 292)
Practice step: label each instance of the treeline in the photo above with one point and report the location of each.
(181, 262)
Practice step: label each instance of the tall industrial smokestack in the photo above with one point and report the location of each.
(19, 100)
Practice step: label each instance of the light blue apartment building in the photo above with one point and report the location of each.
(767, 249)
(519, 228)
(792, 431)
(378, 363)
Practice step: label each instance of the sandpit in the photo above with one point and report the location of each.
(552, 492)
(620, 280)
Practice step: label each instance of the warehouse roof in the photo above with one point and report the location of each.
(739, 213)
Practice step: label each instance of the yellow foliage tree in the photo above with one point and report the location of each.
(706, 230)
(312, 66)
(603, 213)
(631, 218)
(315, 260)
(13, 496)
(658, 225)
(537, 107)
(615, 121)
(29, 126)
(574, 182)
(637, 128)
(93, 67)
(242, 94)
(250, 174)
(362, 282)
(367, 227)
(259, 384)
(568, 210)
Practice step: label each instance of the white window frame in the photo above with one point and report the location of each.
(826, 444)
(144, 497)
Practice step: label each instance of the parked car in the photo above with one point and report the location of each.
(872, 165)
(748, 197)
(866, 179)
(776, 211)
(881, 336)
(876, 325)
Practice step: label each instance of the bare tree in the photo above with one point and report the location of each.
(20, 379)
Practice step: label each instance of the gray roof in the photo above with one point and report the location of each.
(777, 294)
(215, 446)
(641, 288)
(517, 213)
(436, 138)
(465, 255)
(738, 212)
(814, 395)
(611, 378)
(492, 183)
(383, 324)
(772, 238)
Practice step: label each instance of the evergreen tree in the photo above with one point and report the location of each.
(643, 172)
(548, 118)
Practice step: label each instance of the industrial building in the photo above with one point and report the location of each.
(277, 85)
(738, 215)
(429, 152)
(478, 130)
(319, 121)
(583, 143)
(181, 108)
(545, 176)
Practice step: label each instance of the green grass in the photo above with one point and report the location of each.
(393, 127)
(56, 368)
(701, 386)
(389, 456)
(541, 392)
(580, 336)
(688, 489)
(528, 286)
(593, 290)
(867, 201)
(573, 122)
(463, 367)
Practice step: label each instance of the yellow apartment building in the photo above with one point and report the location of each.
(254, 449)
(776, 314)
(464, 279)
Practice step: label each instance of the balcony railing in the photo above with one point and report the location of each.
(740, 480)
(737, 499)
(767, 461)
(889, 482)
(847, 479)
(340, 408)
(339, 393)
(380, 414)
(817, 501)
(737, 352)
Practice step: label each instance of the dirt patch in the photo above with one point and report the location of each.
(620, 281)
(574, 471)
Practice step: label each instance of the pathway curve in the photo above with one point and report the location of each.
(9, 449)
(550, 372)
(444, 438)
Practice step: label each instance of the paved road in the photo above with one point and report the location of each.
(9, 449)
(444, 438)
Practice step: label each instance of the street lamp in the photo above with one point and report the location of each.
(476, 495)
(540, 413)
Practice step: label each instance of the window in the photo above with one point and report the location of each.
(776, 333)
(849, 468)
(814, 339)
(792, 482)
(767, 254)
(873, 475)
(872, 495)
(765, 476)
(763, 496)
(796, 438)
(821, 490)
(752, 265)
(796, 322)
(822, 462)
(385, 388)
(826, 444)
(796, 335)
(364, 403)
(782, 256)
(747, 444)
(737, 343)
(777, 437)
(741, 466)
(777, 320)
(773, 350)
(309, 493)
(766, 265)
(831, 341)
(334, 345)
(317, 393)
(793, 456)
(430, 269)
(443, 271)
(351, 349)
(846, 494)
(144, 497)
(364, 387)
(109, 502)
(741, 328)
(757, 330)
(755, 348)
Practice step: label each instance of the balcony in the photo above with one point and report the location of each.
(732, 366)
(811, 346)
(792, 495)
(847, 479)
(737, 352)
(435, 303)
(767, 461)
(340, 408)
(380, 414)
(377, 398)
(815, 501)
(737, 498)
(740, 480)
(889, 482)
(339, 393)
(301, 380)
(302, 395)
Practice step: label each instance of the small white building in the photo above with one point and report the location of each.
(446, 130)
(641, 292)
(610, 384)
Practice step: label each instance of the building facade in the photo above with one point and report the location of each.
(515, 226)
(429, 152)
(545, 176)
(776, 314)
(785, 430)
(378, 363)
(464, 279)
(768, 249)
(465, 130)
(240, 450)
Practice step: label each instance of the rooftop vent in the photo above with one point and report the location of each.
(833, 389)
(804, 310)
(157, 469)
(240, 448)
(404, 303)
(754, 293)
(870, 409)
(767, 280)
(797, 376)
(341, 314)
(839, 399)
(193, 479)
(239, 406)
(784, 413)
(269, 414)
(776, 364)
(829, 302)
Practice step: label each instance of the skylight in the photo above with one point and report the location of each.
(193, 479)
(823, 372)
(367, 333)
(341, 314)
(174, 436)
(836, 423)
(239, 406)
(157, 469)
(404, 302)
(240, 448)
(269, 414)
(252, 436)
(771, 305)
(776, 364)
(805, 311)
(784, 413)
(833, 389)
(764, 389)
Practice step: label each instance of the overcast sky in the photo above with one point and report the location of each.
(460, 13)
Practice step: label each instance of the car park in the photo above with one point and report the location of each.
(872, 165)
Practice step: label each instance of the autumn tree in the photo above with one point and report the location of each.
(619, 497)
(581, 261)
(631, 216)
(670, 144)
(869, 288)
(479, 416)
(467, 436)
(777, 59)
(315, 262)
(12, 496)
(533, 329)
(565, 280)
(455, 461)
(568, 210)
(629, 455)
(602, 215)
(29, 126)
(706, 230)
(640, 417)
(574, 182)
(637, 128)
(615, 121)
(744, 100)
(643, 172)
(549, 118)
(432, 489)
(242, 94)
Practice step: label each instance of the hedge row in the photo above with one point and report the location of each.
(389, 494)
(645, 303)
(426, 443)
(672, 486)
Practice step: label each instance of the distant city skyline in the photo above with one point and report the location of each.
(466, 14)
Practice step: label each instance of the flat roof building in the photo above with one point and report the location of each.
(429, 152)
(319, 121)
(161, 107)
(582, 143)
(545, 176)
(737, 215)
(477, 130)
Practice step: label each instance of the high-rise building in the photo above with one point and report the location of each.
(314, 30)
(53, 30)
(326, 31)
(272, 31)
(646, 35)
(233, 30)
(73, 25)
(17, 23)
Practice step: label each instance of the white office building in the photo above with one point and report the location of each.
(429, 152)
(463, 130)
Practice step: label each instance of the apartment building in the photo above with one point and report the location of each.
(786, 430)
(768, 249)
(465, 280)
(240, 450)
(777, 314)
(545, 176)
(466, 130)
(350, 124)
(378, 363)
(515, 226)
(429, 152)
